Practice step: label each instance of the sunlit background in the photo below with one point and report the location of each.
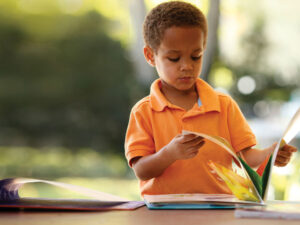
(70, 71)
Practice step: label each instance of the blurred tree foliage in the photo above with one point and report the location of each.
(66, 85)
(253, 63)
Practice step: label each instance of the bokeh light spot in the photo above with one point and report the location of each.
(222, 77)
(246, 85)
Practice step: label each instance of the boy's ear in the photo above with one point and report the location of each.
(149, 55)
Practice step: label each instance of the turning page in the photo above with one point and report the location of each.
(241, 179)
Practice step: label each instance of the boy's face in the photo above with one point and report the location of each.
(178, 59)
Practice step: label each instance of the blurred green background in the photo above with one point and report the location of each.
(70, 71)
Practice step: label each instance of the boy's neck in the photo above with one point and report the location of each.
(185, 99)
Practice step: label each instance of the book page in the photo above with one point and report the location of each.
(238, 181)
(195, 198)
(9, 189)
(237, 184)
(291, 131)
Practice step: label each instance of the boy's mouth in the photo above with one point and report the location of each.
(185, 79)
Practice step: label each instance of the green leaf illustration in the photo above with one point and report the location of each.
(266, 176)
(256, 179)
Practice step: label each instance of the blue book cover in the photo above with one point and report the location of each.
(195, 201)
(187, 206)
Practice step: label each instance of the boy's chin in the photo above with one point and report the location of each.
(185, 88)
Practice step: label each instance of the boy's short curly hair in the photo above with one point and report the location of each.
(168, 14)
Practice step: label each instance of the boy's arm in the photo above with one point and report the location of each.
(181, 147)
(255, 157)
(150, 166)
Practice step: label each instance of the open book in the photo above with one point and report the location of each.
(247, 186)
(245, 183)
(9, 198)
(195, 201)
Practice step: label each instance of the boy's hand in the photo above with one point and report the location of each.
(284, 155)
(185, 146)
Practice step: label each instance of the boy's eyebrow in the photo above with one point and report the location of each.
(199, 50)
(173, 51)
(177, 51)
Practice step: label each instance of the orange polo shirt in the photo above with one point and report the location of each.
(154, 122)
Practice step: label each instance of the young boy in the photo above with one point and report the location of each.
(164, 160)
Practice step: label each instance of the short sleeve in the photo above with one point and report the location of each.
(139, 139)
(240, 132)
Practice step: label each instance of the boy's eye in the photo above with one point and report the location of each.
(174, 59)
(195, 58)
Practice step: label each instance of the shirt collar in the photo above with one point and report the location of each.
(208, 96)
(157, 100)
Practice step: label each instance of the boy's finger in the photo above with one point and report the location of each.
(288, 148)
(282, 159)
(190, 137)
(195, 142)
(279, 164)
(284, 153)
(198, 145)
(293, 149)
(187, 137)
(201, 144)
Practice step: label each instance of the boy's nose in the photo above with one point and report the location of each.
(186, 66)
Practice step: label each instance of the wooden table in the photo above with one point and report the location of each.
(141, 216)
